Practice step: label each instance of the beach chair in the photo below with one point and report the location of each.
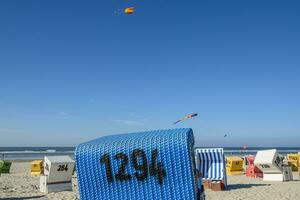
(211, 163)
(252, 170)
(270, 163)
(234, 165)
(36, 167)
(145, 165)
(5, 166)
(57, 174)
(293, 160)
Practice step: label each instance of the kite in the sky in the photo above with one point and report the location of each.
(126, 11)
(187, 117)
(225, 135)
(129, 10)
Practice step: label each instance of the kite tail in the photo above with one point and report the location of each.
(177, 121)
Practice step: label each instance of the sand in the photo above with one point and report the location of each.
(242, 187)
(20, 185)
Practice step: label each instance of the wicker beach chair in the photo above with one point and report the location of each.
(146, 165)
(211, 163)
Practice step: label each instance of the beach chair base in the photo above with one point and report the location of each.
(53, 187)
(213, 185)
(206, 184)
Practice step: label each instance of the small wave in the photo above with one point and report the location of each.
(51, 150)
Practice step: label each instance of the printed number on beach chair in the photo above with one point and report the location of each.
(156, 169)
(265, 166)
(62, 168)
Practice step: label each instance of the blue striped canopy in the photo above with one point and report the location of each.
(211, 163)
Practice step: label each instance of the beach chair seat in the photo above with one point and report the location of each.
(211, 163)
(57, 174)
(145, 165)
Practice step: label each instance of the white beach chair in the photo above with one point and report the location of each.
(270, 163)
(57, 174)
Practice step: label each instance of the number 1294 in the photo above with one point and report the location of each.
(142, 169)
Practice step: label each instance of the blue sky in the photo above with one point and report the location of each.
(72, 71)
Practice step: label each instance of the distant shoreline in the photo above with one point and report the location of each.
(21, 154)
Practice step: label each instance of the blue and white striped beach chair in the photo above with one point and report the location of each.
(146, 165)
(211, 163)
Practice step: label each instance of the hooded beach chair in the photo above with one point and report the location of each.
(270, 163)
(57, 174)
(234, 165)
(211, 163)
(145, 165)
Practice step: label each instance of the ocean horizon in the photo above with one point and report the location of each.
(33, 153)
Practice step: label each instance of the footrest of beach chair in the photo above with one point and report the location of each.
(206, 184)
(217, 186)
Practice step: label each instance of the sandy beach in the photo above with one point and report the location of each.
(21, 185)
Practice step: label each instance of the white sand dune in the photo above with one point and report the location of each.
(20, 185)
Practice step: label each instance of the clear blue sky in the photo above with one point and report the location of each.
(71, 71)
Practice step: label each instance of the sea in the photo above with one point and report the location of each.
(34, 153)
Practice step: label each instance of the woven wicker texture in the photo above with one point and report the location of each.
(174, 153)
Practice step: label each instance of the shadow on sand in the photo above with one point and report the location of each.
(242, 186)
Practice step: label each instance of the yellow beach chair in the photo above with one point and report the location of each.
(37, 168)
(293, 161)
(234, 165)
